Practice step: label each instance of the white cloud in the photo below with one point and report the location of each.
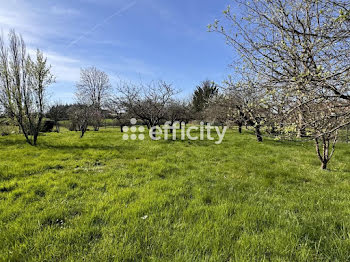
(64, 68)
(67, 73)
(42, 27)
(60, 58)
(36, 24)
(28, 21)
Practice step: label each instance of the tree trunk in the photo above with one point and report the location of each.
(325, 154)
(35, 139)
(28, 140)
(172, 127)
(83, 130)
(22, 129)
(154, 133)
(258, 133)
(36, 132)
(240, 128)
(301, 130)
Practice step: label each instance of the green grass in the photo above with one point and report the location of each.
(104, 199)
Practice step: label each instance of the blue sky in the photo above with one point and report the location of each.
(130, 40)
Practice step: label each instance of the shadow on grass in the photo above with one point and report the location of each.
(15, 141)
(12, 141)
(68, 147)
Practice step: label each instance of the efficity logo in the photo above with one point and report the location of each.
(176, 131)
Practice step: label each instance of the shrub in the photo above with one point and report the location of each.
(48, 126)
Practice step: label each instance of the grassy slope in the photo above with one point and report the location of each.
(73, 199)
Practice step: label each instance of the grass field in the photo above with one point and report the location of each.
(104, 199)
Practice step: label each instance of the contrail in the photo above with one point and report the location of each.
(119, 12)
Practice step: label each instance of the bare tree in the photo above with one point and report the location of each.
(147, 102)
(24, 83)
(218, 110)
(249, 101)
(324, 117)
(118, 111)
(93, 90)
(177, 111)
(81, 116)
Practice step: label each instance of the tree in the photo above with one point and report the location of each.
(250, 102)
(58, 113)
(301, 48)
(218, 110)
(324, 117)
(178, 111)
(147, 102)
(118, 112)
(293, 42)
(93, 90)
(203, 93)
(81, 116)
(24, 82)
